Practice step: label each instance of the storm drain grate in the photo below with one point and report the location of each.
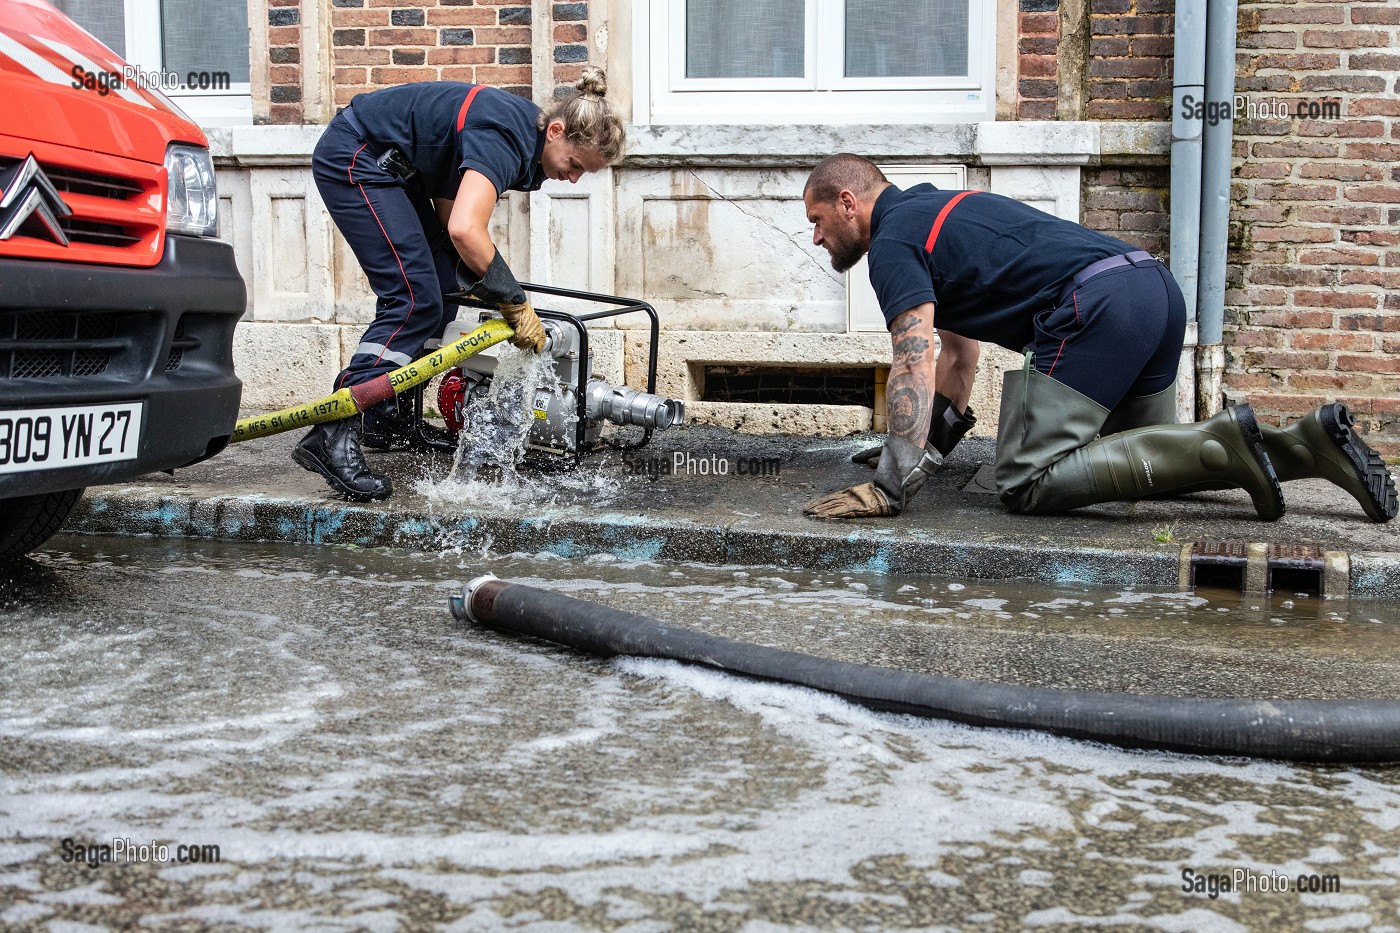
(790, 385)
(1295, 568)
(1258, 569)
(1219, 565)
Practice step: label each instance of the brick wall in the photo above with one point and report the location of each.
(284, 61)
(570, 43)
(1127, 75)
(1037, 63)
(1313, 309)
(1130, 204)
(1130, 56)
(377, 43)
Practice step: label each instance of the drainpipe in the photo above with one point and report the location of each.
(1216, 158)
(1189, 88)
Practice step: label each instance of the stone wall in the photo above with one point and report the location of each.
(1313, 312)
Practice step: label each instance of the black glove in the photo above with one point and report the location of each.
(902, 471)
(498, 286)
(945, 428)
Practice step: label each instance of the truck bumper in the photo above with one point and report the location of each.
(81, 335)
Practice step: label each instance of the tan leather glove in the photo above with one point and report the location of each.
(529, 332)
(863, 501)
(901, 472)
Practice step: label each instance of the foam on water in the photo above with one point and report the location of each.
(427, 761)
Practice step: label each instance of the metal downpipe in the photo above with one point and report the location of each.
(1188, 91)
(1216, 159)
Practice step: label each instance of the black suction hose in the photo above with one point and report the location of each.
(1356, 731)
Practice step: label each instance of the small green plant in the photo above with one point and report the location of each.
(1164, 534)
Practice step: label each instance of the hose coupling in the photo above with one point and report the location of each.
(462, 605)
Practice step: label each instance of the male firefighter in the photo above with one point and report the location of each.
(1089, 418)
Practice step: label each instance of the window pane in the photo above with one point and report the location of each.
(103, 18)
(906, 38)
(745, 38)
(209, 37)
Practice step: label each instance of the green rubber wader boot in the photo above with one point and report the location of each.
(1041, 416)
(1323, 445)
(1142, 411)
(1042, 422)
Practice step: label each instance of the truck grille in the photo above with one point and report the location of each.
(76, 181)
(113, 216)
(49, 344)
(84, 231)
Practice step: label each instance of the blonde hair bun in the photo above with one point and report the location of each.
(590, 121)
(594, 82)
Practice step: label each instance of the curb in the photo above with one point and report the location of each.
(118, 511)
(628, 536)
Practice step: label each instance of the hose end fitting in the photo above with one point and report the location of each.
(462, 605)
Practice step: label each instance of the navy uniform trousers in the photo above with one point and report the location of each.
(400, 243)
(1118, 335)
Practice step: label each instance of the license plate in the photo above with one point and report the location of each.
(51, 438)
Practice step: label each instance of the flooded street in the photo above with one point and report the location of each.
(362, 761)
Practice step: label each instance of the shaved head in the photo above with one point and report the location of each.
(844, 172)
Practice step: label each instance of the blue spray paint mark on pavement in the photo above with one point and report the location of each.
(641, 550)
(878, 564)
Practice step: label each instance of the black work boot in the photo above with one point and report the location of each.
(1324, 445)
(392, 424)
(333, 450)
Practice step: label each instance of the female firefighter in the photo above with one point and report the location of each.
(410, 174)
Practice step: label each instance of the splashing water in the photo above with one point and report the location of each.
(497, 427)
(495, 436)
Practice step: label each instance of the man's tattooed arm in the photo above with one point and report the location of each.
(909, 390)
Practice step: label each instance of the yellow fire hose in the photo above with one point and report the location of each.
(353, 399)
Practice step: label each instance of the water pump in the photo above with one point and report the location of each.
(571, 409)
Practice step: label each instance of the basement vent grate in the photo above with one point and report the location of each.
(790, 385)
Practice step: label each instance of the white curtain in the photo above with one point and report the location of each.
(105, 19)
(906, 38)
(197, 35)
(745, 38)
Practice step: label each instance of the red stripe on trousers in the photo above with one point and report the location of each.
(412, 302)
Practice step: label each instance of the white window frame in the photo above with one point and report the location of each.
(231, 106)
(824, 95)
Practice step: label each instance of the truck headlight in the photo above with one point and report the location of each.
(191, 204)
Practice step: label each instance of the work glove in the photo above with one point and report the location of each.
(529, 332)
(902, 471)
(945, 428)
(499, 285)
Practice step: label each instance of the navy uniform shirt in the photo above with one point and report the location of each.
(498, 137)
(996, 262)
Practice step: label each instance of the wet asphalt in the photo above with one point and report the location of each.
(363, 761)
